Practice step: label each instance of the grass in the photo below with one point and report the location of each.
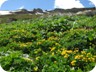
(49, 44)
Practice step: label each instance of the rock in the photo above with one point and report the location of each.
(37, 11)
(73, 10)
(11, 20)
(20, 11)
(87, 12)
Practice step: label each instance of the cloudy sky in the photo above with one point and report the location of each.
(45, 4)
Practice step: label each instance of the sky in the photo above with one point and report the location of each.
(45, 4)
(67, 4)
(27, 4)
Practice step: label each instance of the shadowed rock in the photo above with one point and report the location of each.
(11, 20)
(35, 11)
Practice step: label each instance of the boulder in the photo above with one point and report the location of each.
(37, 11)
(87, 12)
(21, 11)
(11, 20)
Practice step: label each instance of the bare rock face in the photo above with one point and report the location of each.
(57, 11)
(38, 10)
(87, 12)
(92, 13)
(21, 11)
(73, 10)
(11, 20)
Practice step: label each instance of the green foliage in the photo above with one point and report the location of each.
(49, 44)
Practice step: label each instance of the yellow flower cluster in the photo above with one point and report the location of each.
(35, 68)
(52, 38)
(27, 59)
(37, 58)
(40, 42)
(57, 44)
(78, 56)
(66, 52)
(52, 49)
(25, 44)
(73, 62)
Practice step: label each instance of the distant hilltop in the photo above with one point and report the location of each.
(40, 11)
(23, 14)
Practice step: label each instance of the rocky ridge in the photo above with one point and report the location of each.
(22, 14)
(78, 11)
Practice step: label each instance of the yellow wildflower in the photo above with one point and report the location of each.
(35, 68)
(92, 60)
(57, 44)
(83, 52)
(77, 57)
(52, 53)
(51, 38)
(73, 62)
(23, 45)
(66, 56)
(69, 51)
(28, 59)
(38, 43)
(89, 54)
(85, 59)
(55, 61)
(76, 51)
(89, 59)
(95, 56)
(63, 52)
(37, 58)
(59, 50)
(52, 49)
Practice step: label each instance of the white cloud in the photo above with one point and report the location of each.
(22, 7)
(93, 2)
(67, 4)
(1, 2)
(4, 12)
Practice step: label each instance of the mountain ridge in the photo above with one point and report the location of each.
(40, 11)
(23, 14)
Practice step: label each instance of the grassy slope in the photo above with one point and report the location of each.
(49, 44)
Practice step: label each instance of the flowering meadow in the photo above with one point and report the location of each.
(49, 44)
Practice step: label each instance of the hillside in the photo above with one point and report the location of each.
(23, 14)
(49, 44)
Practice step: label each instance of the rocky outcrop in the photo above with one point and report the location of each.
(73, 10)
(20, 11)
(76, 11)
(37, 11)
(24, 11)
(87, 12)
(11, 20)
